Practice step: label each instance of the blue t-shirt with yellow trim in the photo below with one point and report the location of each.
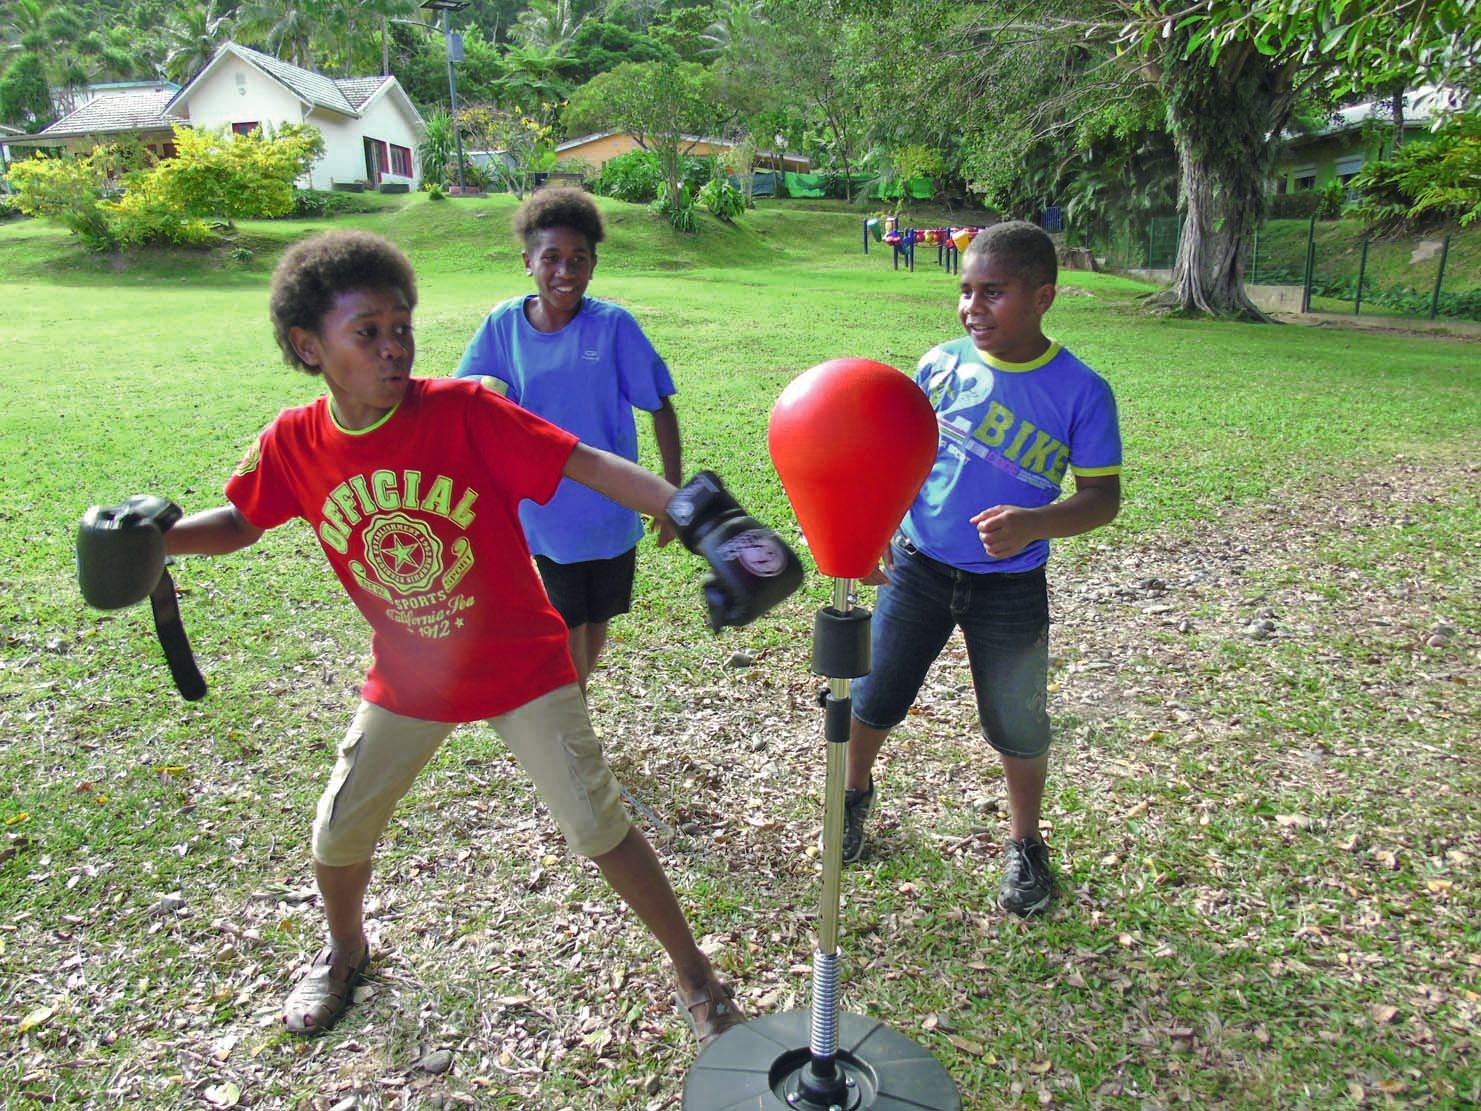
(587, 378)
(1008, 434)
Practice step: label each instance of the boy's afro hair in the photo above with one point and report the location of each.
(558, 206)
(312, 273)
(1024, 248)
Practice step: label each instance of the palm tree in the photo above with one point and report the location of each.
(735, 23)
(546, 24)
(288, 29)
(192, 37)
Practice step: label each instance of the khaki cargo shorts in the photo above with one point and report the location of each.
(551, 736)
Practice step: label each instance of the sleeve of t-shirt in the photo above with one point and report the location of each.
(643, 374)
(483, 358)
(1095, 436)
(527, 452)
(258, 488)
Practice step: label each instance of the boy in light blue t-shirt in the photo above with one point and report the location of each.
(1016, 412)
(585, 365)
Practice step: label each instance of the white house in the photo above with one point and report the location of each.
(371, 128)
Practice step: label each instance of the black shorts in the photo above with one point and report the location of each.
(590, 592)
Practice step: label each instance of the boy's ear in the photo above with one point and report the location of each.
(529, 270)
(1044, 297)
(305, 345)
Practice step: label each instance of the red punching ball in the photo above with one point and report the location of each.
(852, 441)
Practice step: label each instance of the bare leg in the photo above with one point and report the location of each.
(1025, 793)
(587, 642)
(864, 743)
(633, 870)
(343, 891)
(324, 992)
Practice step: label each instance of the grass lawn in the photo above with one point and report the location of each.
(1263, 794)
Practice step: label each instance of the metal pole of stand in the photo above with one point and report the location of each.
(850, 1062)
(822, 1082)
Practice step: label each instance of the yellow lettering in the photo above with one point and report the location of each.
(383, 486)
(439, 497)
(330, 513)
(1025, 430)
(995, 425)
(357, 483)
(411, 487)
(336, 536)
(1037, 457)
(1058, 466)
(343, 498)
(462, 516)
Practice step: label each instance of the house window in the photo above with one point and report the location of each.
(1303, 179)
(377, 160)
(401, 160)
(244, 128)
(1347, 168)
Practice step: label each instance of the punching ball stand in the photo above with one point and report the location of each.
(825, 1060)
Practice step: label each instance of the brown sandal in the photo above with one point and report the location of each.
(320, 996)
(710, 1011)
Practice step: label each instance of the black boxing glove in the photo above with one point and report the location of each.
(121, 561)
(751, 568)
(121, 550)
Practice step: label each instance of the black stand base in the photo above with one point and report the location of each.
(758, 1066)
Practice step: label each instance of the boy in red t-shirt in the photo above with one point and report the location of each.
(413, 487)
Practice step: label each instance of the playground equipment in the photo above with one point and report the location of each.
(950, 242)
(852, 440)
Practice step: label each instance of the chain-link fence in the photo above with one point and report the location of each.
(1336, 266)
(1343, 269)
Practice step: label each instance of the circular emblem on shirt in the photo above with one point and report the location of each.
(405, 553)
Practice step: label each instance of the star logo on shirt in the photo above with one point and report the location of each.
(404, 552)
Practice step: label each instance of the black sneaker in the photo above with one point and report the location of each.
(856, 804)
(1027, 882)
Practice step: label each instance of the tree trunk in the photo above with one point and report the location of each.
(1208, 275)
(1220, 121)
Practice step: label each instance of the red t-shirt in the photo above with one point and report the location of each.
(419, 517)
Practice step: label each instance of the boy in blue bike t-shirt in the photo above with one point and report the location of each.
(1016, 412)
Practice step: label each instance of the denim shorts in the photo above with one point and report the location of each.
(1004, 620)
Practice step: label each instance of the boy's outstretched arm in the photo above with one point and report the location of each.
(624, 482)
(1008, 529)
(666, 435)
(212, 532)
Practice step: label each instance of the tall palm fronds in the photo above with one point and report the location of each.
(192, 36)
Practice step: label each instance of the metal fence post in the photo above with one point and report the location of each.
(1310, 265)
(1439, 277)
(1357, 305)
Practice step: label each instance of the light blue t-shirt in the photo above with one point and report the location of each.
(587, 378)
(1008, 434)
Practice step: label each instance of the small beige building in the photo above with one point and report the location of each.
(601, 147)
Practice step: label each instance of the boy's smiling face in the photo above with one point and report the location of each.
(561, 261)
(364, 348)
(1001, 311)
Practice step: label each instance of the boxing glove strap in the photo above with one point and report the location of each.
(171, 632)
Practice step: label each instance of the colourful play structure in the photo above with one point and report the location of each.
(950, 242)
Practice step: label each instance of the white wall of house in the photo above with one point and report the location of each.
(382, 120)
(239, 93)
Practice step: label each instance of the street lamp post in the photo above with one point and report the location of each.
(446, 7)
